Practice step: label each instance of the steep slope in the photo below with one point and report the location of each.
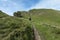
(46, 21)
(47, 15)
(2, 14)
(14, 28)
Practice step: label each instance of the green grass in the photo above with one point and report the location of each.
(47, 22)
(14, 28)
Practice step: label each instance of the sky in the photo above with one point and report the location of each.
(11, 6)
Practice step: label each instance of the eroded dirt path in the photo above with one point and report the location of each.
(36, 34)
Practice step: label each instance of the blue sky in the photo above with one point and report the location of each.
(10, 6)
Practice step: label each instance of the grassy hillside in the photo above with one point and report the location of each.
(18, 27)
(2, 14)
(47, 22)
(14, 28)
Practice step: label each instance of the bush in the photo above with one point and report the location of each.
(18, 14)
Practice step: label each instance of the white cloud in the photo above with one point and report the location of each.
(10, 6)
(53, 4)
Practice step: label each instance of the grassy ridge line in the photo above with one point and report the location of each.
(9, 24)
(48, 23)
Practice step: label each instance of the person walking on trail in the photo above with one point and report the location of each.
(30, 18)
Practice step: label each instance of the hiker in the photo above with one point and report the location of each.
(30, 18)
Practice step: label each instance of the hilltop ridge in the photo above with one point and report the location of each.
(19, 27)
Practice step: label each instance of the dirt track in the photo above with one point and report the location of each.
(36, 34)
